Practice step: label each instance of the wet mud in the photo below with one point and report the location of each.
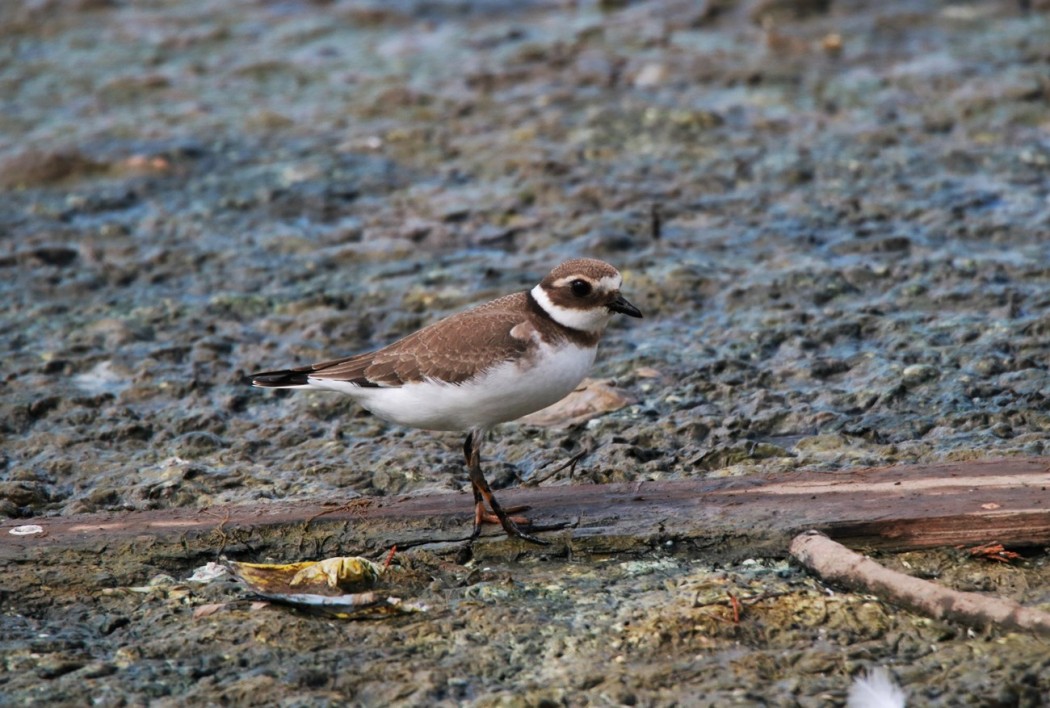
(835, 217)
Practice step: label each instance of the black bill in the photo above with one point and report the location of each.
(622, 306)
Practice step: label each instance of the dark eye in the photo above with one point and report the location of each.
(580, 288)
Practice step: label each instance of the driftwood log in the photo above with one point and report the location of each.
(893, 508)
(836, 564)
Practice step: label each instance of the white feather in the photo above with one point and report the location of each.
(592, 320)
(877, 689)
(505, 392)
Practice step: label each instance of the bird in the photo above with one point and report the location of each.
(490, 364)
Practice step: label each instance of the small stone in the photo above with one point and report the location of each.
(989, 366)
(24, 493)
(826, 368)
(161, 580)
(1002, 430)
(42, 406)
(917, 373)
(651, 75)
(108, 624)
(822, 443)
(55, 665)
(102, 497)
(98, 669)
(55, 255)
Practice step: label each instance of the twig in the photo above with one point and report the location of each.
(735, 604)
(219, 530)
(993, 551)
(570, 463)
(353, 506)
(655, 221)
(835, 563)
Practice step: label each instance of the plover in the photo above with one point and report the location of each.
(490, 364)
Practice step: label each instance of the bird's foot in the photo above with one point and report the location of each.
(509, 523)
(488, 518)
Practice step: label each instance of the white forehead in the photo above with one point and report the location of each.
(607, 283)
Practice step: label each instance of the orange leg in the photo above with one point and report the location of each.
(483, 495)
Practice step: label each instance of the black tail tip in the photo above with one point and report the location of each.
(277, 379)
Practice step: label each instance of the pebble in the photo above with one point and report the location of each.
(24, 493)
(918, 373)
(97, 669)
(52, 666)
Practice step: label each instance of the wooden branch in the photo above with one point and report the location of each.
(891, 508)
(835, 563)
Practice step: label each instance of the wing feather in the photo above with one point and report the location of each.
(479, 337)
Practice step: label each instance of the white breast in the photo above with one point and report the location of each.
(505, 392)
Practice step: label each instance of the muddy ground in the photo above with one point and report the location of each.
(851, 266)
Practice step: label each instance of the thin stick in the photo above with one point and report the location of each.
(570, 463)
(656, 221)
(835, 563)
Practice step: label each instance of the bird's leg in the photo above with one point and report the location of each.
(479, 502)
(481, 516)
(483, 493)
